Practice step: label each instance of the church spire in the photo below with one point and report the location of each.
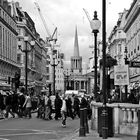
(76, 45)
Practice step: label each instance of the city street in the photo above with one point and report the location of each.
(36, 129)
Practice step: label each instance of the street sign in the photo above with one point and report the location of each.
(121, 75)
(134, 64)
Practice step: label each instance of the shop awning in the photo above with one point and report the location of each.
(5, 86)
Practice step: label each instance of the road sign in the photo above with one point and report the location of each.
(135, 64)
(121, 75)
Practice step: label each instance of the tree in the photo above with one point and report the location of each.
(110, 62)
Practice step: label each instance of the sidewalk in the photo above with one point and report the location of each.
(93, 135)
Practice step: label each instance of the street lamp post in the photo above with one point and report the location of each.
(26, 51)
(54, 65)
(67, 76)
(126, 62)
(66, 80)
(104, 110)
(95, 25)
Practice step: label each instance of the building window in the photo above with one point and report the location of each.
(18, 58)
(47, 69)
(119, 49)
(48, 77)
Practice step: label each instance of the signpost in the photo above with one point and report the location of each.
(121, 75)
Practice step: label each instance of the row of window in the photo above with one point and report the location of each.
(7, 44)
(59, 81)
(5, 70)
(5, 16)
(133, 45)
(134, 29)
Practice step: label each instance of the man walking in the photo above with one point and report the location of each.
(63, 111)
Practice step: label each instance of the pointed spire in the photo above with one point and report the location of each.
(76, 45)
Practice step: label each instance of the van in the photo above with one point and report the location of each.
(71, 92)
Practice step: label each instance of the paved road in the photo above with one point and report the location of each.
(36, 129)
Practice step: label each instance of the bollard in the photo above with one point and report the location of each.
(82, 126)
(86, 121)
(104, 123)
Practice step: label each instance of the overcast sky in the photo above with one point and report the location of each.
(67, 14)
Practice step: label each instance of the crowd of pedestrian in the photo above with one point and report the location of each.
(22, 105)
(15, 104)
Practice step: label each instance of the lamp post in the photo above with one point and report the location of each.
(95, 25)
(126, 62)
(26, 51)
(67, 79)
(104, 110)
(54, 65)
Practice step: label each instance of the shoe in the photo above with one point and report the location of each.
(63, 125)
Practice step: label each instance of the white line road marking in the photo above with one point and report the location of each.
(35, 132)
(24, 134)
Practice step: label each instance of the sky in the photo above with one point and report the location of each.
(67, 14)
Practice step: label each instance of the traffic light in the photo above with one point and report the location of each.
(17, 80)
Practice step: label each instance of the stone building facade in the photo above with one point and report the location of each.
(8, 43)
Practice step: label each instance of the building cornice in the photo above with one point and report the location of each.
(131, 18)
(8, 26)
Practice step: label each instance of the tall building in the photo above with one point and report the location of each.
(132, 30)
(77, 81)
(8, 43)
(76, 59)
(116, 46)
(36, 57)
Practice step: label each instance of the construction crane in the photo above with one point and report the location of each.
(87, 14)
(50, 37)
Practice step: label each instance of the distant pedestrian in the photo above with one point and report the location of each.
(41, 106)
(48, 108)
(21, 100)
(9, 105)
(58, 105)
(27, 104)
(2, 105)
(64, 111)
(69, 107)
(76, 106)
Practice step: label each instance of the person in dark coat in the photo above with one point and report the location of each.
(21, 100)
(9, 105)
(15, 103)
(2, 106)
(83, 103)
(76, 106)
(69, 107)
(58, 105)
